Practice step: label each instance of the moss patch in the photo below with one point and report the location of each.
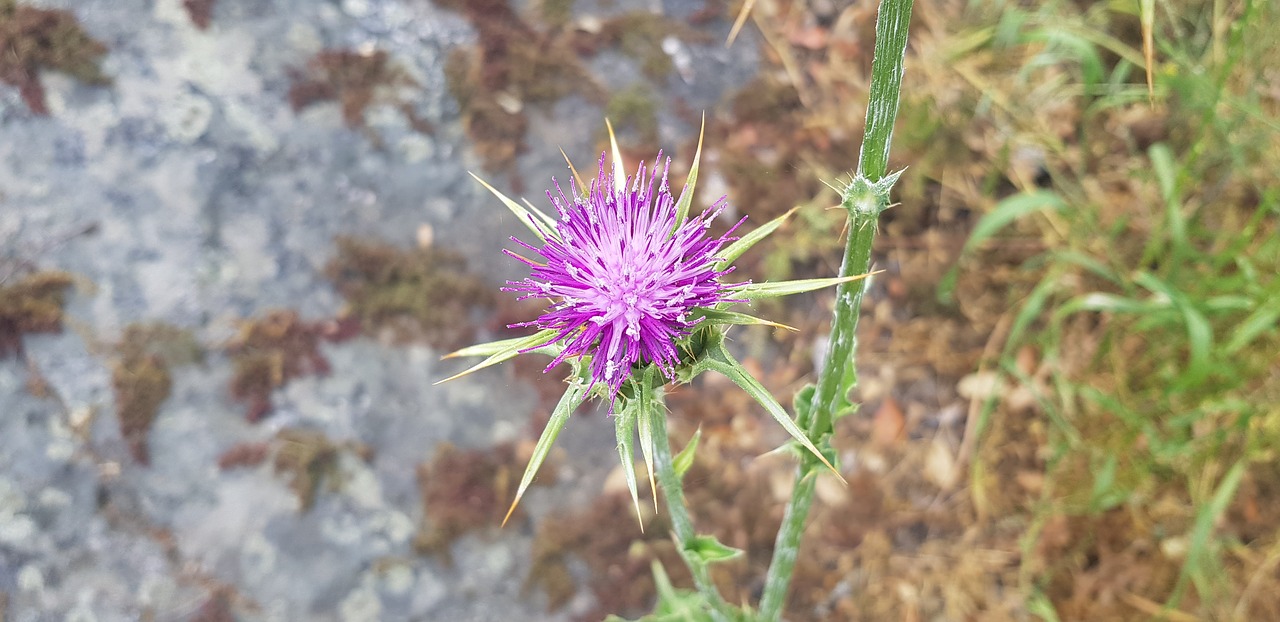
(36, 39)
(640, 34)
(512, 65)
(141, 378)
(423, 293)
(31, 305)
(468, 489)
(269, 352)
(356, 80)
(633, 111)
(308, 460)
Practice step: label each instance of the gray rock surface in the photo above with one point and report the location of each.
(189, 192)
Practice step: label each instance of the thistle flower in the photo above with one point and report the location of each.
(624, 273)
(629, 275)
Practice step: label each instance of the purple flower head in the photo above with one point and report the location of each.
(623, 276)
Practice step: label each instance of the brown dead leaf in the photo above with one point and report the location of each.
(888, 427)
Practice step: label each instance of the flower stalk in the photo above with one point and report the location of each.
(865, 197)
(681, 521)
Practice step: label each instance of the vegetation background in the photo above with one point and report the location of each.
(1070, 364)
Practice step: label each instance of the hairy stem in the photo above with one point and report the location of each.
(864, 200)
(681, 522)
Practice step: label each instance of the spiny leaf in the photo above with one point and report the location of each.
(719, 316)
(511, 348)
(619, 168)
(742, 244)
(625, 427)
(684, 459)
(743, 13)
(572, 397)
(709, 550)
(686, 195)
(644, 405)
(494, 347)
(720, 360)
(522, 214)
(582, 186)
(757, 291)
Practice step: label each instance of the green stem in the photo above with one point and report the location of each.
(681, 522)
(787, 547)
(864, 199)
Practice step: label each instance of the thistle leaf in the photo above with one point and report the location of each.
(739, 22)
(644, 404)
(526, 217)
(744, 243)
(686, 196)
(708, 550)
(572, 397)
(684, 459)
(494, 347)
(720, 360)
(625, 426)
(582, 186)
(720, 316)
(510, 348)
(757, 291)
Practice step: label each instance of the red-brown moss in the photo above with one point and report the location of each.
(34, 39)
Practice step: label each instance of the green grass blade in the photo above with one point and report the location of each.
(1004, 214)
(1260, 322)
(1166, 172)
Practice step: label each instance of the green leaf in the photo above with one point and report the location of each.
(708, 550)
(522, 214)
(684, 459)
(572, 397)
(1004, 214)
(510, 348)
(719, 316)
(1198, 564)
(686, 195)
(757, 291)
(744, 243)
(721, 361)
(625, 426)
(673, 605)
